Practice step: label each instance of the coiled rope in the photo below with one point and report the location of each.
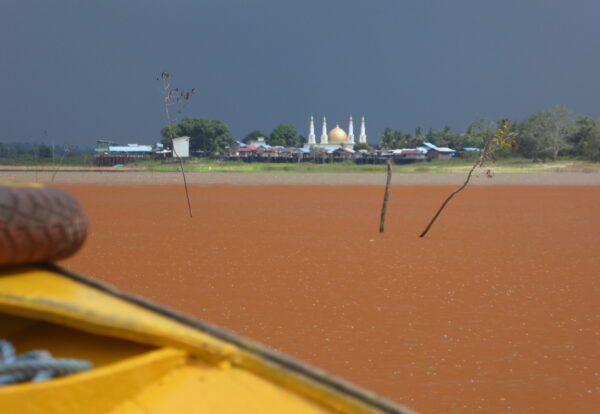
(35, 366)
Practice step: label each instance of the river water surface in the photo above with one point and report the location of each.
(497, 310)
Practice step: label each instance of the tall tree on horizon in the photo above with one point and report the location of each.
(545, 133)
(252, 136)
(286, 136)
(209, 135)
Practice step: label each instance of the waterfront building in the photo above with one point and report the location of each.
(335, 138)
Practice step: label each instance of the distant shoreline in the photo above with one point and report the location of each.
(53, 168)
(140, 177)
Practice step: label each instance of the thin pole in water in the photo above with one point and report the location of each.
(386, 196)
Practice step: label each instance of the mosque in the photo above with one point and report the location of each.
(337, 137)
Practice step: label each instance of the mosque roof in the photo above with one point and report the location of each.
(337, 134)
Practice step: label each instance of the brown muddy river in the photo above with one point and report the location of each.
(497, 310)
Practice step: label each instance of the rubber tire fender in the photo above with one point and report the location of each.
(39, 224)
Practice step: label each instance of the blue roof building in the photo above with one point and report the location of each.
(130, 148)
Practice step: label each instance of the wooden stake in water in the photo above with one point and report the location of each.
(62, 157)
(386, 196)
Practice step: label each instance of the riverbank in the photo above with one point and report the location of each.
(125, 177)
(441, 166)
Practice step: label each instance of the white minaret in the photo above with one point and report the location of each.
(311, 132)
(363, 134)
(350, 131)
(324, 133)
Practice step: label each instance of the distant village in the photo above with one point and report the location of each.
(549, 135)
(334, 146)
(110, 154)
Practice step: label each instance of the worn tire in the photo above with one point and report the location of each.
(38, 224)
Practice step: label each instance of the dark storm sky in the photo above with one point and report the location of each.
(84, 70)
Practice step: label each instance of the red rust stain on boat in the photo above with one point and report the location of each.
(497, 310)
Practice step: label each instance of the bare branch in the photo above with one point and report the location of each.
(173, 96)
(501, 139)
(65, 151)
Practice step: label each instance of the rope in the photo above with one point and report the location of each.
(35, 366)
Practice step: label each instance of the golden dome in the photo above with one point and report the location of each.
(337, 134)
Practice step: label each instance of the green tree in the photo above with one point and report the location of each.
(429, 137)
(545, 134)
(392, 139)
(584, 138)
(361, 146)
(252, 136)
(440, 138)
(591, 146)
(210, 135)
(478, 132)
(560, 117)
(577, 135)
(285, 135)
(388, 139)
(45, 151)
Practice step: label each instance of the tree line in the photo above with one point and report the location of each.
(545, 135)
(213, 136)
(32, 153)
